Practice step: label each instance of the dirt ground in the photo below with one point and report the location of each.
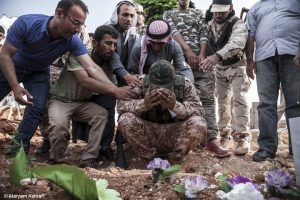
(136, 183)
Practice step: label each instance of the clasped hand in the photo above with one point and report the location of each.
(163, 97)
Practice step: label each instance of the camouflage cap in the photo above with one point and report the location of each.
(161, 75)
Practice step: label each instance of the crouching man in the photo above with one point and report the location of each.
(69, 99)
(167, 117)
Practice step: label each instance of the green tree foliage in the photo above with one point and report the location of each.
(155, 8)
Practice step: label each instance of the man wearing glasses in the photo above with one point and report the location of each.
(33, 43)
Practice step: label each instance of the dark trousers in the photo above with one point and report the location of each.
(270, 73)
(81, 130)
(37, 84)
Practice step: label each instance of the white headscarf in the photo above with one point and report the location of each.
(114, 17)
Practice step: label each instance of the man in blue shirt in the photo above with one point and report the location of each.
(33, 43)
(274, 26)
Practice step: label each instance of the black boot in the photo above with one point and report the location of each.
(120, 160)
(107, 153)
(44, 149)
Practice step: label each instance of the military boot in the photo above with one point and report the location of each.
(243, 147)
(226, 137)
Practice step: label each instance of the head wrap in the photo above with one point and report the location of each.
(157, 31)
(114, 17)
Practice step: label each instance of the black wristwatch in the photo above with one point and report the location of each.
(219, 56)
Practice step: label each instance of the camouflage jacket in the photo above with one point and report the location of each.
(190, 105)
(237, 40)
(190, 24)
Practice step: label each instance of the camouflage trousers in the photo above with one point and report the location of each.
(148, 139)
(233, 84)
(205, 85)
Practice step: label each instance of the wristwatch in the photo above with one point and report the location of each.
(219, 56)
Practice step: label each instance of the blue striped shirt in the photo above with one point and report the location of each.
(275, 25)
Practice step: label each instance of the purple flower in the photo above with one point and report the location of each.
(279, 179)
(240, 179)
(158, 163)
(193, 185)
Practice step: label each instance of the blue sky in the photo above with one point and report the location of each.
(99, 10)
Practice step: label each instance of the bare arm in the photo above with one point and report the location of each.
(249, 53)
(297, 58)
(94, 79)
(93, 70)
(8, 69)
(203, 49)
(191, 57)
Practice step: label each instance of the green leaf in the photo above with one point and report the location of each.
(291, 193)
(171, 170)
(168, 172)
(223, 185)
(179, 189)
(71, 179)
(223, 177)
(104, 193)
(18, 170)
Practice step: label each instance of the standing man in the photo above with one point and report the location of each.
(124, 20)
(190, 31)
(228, 35)
(274, 26)
(140, 24)
(33, 43)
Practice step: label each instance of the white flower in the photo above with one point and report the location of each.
(243, 192)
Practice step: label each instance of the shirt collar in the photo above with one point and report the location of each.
(45, 25)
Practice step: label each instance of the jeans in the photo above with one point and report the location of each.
(269, 74)
(37, 84)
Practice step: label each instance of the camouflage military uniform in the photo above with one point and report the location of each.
(190, 24)
(148, 139)
(232, 80)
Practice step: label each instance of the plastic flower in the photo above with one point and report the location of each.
(193, 185)
(279, 179)
(243, 191)
(240, 180)
(158, 163)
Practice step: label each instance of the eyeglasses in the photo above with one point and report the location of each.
(75, 22)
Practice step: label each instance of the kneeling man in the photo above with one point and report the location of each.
(167, 117)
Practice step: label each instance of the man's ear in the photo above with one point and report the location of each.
(94, 43)
(59, 13)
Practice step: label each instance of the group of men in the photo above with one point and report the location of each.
(165, 72)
